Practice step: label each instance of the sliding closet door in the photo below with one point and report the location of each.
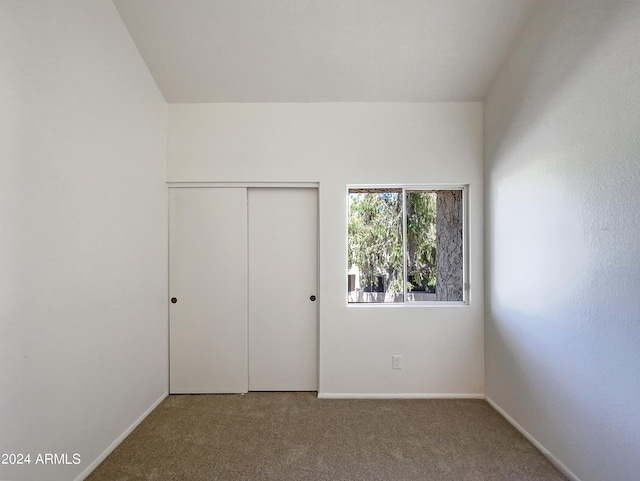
(208, 290)
(283, 276)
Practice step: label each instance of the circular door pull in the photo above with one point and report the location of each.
(312, 298)
(174, 300)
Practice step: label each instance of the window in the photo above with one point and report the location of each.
(406, 244)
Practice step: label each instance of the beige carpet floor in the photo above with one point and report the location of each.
(295, 436)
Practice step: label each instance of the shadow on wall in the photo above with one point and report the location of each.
(533, 368)
(515, 114)
(532, 371)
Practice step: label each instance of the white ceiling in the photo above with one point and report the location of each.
(323, 50)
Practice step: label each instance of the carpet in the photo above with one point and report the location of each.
(296, 436)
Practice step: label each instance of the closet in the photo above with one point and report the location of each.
(243, 286)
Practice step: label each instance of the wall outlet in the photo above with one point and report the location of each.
(396, 361)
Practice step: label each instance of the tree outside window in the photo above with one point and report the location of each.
(405, 245)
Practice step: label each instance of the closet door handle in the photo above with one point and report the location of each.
(174, 300)
(312, 298)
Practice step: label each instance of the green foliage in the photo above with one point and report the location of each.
(421, 239)
(375, 238)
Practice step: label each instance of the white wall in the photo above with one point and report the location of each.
(338, 144)
(83, 329)
(562, 237)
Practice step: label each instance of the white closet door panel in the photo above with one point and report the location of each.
(208, 277)
(283, 263)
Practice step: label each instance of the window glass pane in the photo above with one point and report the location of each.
(421, 246)
(434, 246)
(375, 246)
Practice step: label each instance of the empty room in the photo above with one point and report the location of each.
(323, 240)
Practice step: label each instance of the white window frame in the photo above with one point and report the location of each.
(466, 288)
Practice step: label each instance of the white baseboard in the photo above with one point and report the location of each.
(119, 439)
(566, 471)
(361, 395)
